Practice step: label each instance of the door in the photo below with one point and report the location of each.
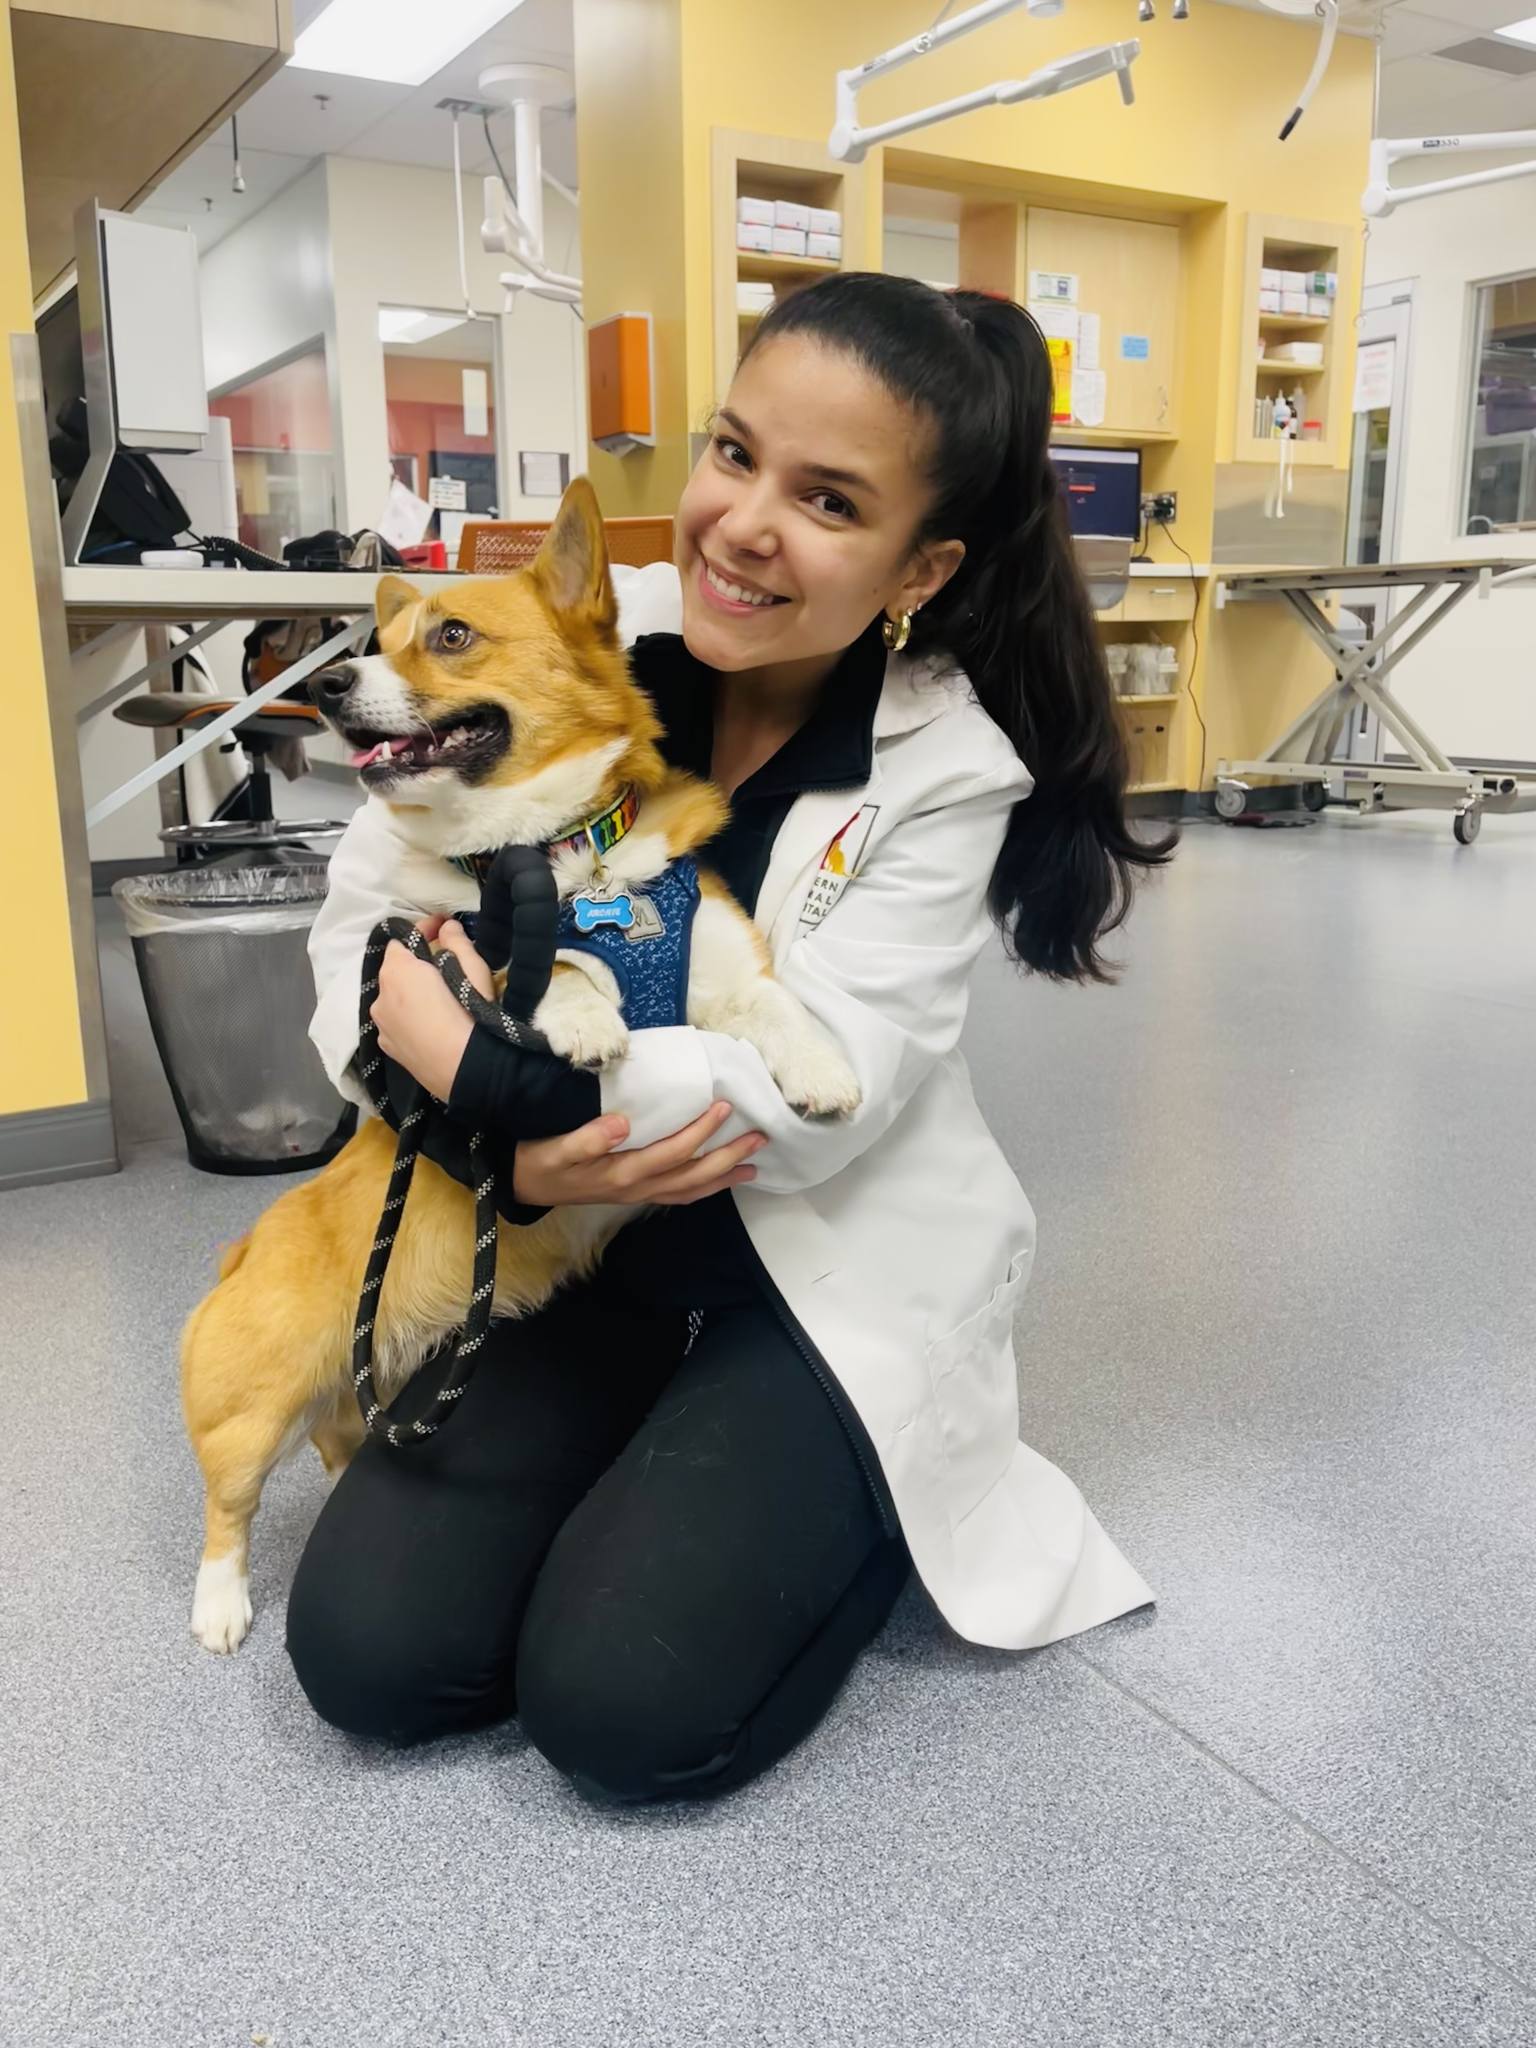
(1383, 337)
(1126, 274)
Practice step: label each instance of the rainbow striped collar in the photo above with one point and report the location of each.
(594, 835)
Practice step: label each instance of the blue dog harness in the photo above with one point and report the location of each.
(643, 934)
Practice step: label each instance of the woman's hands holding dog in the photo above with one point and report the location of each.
(584, 1167)
(422, 1027)
(420, 1022)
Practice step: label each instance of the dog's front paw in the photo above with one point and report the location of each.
(814, 1077)
(581, 1025)
(221, 1606)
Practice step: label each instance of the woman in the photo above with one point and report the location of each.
(683, 1498)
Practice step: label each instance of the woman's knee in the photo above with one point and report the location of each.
(601, 1706)
(368, 1672)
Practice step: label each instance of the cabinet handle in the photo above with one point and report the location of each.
(1162, 402)
(1163, 590)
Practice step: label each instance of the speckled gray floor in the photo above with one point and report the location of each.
(1282, 1331)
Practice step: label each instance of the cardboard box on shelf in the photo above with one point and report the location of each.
(758, 211)
(788, 241)
(789, 213)
(749, 235)
(825, 220)
(1294, 303)
(1269, 301)
(830, 246)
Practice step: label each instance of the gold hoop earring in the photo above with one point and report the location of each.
(896, 632)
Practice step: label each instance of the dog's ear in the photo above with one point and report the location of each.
(391, 597)
(571, 568)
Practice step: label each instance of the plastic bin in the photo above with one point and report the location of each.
(225, 974)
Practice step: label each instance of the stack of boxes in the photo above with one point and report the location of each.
(784, 227)
(1300, 293)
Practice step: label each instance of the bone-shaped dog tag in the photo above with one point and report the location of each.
(593, 910)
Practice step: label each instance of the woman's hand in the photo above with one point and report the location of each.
(583, 1166)
(421, 1024)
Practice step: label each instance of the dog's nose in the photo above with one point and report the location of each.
(329, 686)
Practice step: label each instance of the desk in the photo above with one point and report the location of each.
(1304, 751)
(209, 600)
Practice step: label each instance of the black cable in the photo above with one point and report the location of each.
(1195, 657)
(485, 123)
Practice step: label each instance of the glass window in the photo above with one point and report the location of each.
(1501, 488)
(285, 469)
(440, 394)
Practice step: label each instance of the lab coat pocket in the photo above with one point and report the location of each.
(975, 1389)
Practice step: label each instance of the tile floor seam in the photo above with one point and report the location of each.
(1326, 1841)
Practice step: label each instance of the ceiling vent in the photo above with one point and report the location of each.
(1487, 54)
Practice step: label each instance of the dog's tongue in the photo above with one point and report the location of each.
(365, 758)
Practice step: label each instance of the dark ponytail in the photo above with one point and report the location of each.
(1015, 615)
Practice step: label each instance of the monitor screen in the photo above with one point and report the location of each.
(1102, 488)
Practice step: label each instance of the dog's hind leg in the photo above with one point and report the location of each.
(236, 1456)
(338, 1437)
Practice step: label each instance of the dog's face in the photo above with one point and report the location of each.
(496, 712)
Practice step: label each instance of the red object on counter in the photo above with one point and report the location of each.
(427, 554)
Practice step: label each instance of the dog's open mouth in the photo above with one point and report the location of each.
(468, 745)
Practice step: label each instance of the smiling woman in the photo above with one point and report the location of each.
(819, 1387)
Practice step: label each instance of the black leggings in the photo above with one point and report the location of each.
(666, 1565)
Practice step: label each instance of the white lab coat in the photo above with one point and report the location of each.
(899, 1238)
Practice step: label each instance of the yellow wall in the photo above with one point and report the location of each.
(629, 132)
(42, 1059)
(1200, 147)
(1211, 94)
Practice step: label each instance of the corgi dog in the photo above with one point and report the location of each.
(499, 712)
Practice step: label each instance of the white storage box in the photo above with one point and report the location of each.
(1305, 354)
(1269, 301)
(750, 236)
(788, 241)
(758, 211)
(825, 221)
(824, 245)
(1293, 302)
(789, 213)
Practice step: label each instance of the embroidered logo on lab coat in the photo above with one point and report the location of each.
(839, 864)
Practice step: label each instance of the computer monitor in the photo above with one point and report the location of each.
(1102, 489)
(133, 338)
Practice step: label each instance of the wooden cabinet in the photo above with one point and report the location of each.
(1321, 322)
(747, 166)
(1127, 274)
(112, 94)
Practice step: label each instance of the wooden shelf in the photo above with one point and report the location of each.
(1110, 437)
(759, 268)
(1158, 697)
(1268, 367)
(1151, 788)
(1296, 323)
(110, 98)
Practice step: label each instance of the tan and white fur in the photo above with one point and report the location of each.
(522, 720)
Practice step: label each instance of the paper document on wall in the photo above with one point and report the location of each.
(1061, 380)
(476, 388)
(1374, 365)
(448, 493)
(1056, 323)
(1087, 341)
(406, 517)
(1089, 396)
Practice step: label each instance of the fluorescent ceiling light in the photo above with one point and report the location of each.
(398, 42)
(409, 323)
(1519, 31)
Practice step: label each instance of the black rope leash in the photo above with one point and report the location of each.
(517, 922)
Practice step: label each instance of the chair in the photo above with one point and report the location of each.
(495, 547)
(283, 719)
